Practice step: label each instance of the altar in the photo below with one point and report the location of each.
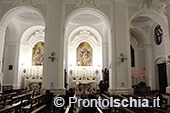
(33, 77)
(84, 79)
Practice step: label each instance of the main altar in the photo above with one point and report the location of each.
(84, 78)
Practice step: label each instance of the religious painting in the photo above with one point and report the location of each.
(84, 54)
(38, 54)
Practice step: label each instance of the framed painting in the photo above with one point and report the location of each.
(84, 54)
(38, 54)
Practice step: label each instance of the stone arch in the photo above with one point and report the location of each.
(93, 11)
(17, 10)
(153, 15)
(69, 33)
(6, 19)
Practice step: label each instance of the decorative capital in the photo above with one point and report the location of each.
(88, 3)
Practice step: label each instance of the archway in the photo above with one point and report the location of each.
(87, 25)
(145, 24)
(14, 24)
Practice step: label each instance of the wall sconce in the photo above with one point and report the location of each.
(122, 57)
(24, 71)
(52, 57)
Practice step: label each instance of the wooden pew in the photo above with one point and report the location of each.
(153, 109)
(39, 109)
(2, 102)
(6, 99)
(167, 106)
(55, 109)
(125, 110)
(7, 89)
(16, 104)
(158, 110)
(34, 102)
(68, 107)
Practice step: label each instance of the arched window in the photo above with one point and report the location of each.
(38, 54)
(158, 35)
(84, 54)
(132, 56)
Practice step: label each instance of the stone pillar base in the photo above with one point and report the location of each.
(55, 91)
(120, 91)
(168, 89)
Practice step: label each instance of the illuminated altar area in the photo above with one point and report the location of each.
(33, 74)
(84, 59)
(84, 78)
(32, 57)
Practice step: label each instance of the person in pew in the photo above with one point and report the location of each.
(47, 100)
(158, 94)
(136, 90)
(102, 87)
(69, 93)
(91, 109)
(106, 84)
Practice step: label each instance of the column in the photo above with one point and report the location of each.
(2, 39)
(112, 63)
(53, 77)
(121, 71)
(150, 78)
(168, 66)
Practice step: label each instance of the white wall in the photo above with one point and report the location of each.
(11, 55)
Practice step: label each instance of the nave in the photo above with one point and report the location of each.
(95, 48)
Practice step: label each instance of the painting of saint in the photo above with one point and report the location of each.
(38, 54)
(84, 54)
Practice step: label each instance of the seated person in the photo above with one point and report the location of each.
(48, 99)
(69, 93)
(158, 94)
(92, 109)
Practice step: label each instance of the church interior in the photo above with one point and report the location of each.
(106, 48)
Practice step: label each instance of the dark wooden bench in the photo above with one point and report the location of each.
(34, 102)
(125, 110)
(158, 110)
(150, 109)
(41, 108)
(167, 106)
(5, 99)
(16, 103)
(7, 89)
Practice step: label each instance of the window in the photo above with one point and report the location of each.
(158, 35)
(132, 56)
(38, 54)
